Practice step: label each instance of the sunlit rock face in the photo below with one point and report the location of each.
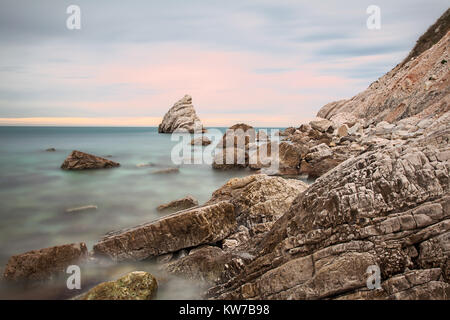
(181, 118)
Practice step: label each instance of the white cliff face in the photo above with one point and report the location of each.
(181, 118)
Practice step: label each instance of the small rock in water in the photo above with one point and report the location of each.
(78, 160)
(168, 170)
(50, 150)
(137, 285)
(179, 204)
(83, 208)
(144, 165)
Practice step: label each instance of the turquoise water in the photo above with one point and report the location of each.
(35, 192)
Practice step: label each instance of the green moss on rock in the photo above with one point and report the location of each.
(137, 285)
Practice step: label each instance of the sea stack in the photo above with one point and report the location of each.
(181, 118)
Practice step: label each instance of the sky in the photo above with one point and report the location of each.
(267, 63)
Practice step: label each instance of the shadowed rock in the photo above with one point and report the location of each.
(44, 263)
(177, 205)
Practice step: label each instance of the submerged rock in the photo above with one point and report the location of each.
(184, 229)
(137, 285)
(50, 150)
(177, 205)
(44, 263)
(83, 208)
(78, 160)
(167, 170)
(181, 118)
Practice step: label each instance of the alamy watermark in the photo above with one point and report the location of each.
(73, 22)
(374, 20)
(74, 280)
(374, 280)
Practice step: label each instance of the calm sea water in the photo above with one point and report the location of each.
(35, 192)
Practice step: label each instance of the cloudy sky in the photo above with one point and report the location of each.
(267, 63)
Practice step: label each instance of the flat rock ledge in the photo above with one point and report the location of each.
(78, 160)
(184, 229)
(44, 263)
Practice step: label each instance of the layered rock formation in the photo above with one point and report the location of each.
(180, 230)
(78, 160)
(181, 118)
(419, 85)
(44, 263)
(388, 208)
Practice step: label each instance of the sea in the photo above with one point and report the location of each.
(35, 194)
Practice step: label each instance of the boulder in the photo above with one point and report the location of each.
(45, 263)
(322, 125)
(78, 160)
(177, 205)
(181, 118)
(258, 198)
(290, 156)
(137, 285)
(342, 131)
(184, 229)
(201, 141)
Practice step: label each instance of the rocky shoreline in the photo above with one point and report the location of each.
(381, 198)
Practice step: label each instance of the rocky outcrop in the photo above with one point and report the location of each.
(179, 204)
(388, 207)
(184, 229)
(418, 86)
(137, 285)
(45, 263)
(181, 118)
(258, 201)
(78, 160)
